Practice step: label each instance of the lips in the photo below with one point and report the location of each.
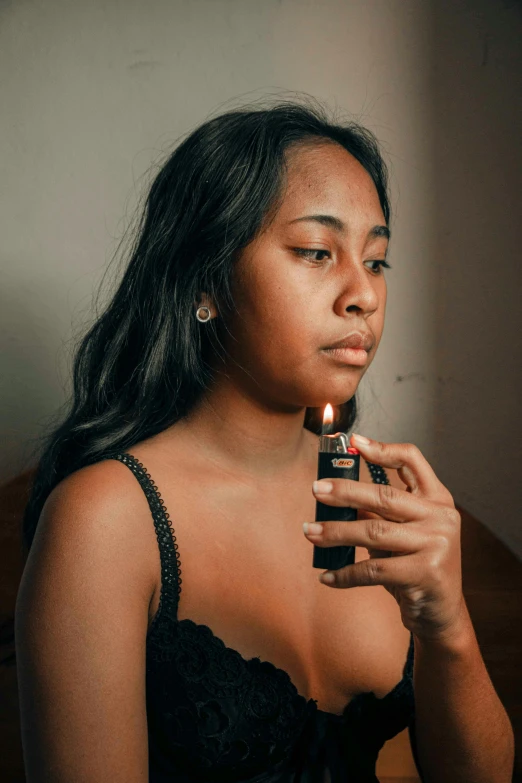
(363, 340)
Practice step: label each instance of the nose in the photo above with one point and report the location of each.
(358, 289)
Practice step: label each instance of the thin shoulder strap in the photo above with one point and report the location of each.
(377, 473)
(169, 555)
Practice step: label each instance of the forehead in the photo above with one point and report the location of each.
(328, 178)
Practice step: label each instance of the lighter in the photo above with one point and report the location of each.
(337, 459)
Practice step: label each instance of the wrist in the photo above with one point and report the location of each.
(455, 638)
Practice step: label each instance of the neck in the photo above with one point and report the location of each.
(246, 437)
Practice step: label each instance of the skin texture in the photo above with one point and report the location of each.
(91, 582)
(419, 527)
(90, 586)
(246, 438)
(289, 308)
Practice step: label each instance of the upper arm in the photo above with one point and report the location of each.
(80, 628)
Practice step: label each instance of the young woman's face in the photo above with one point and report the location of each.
(292, 305)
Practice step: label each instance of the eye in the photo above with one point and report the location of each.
(382, 263)
(308, 253)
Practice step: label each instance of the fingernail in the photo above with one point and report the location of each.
(322, 487)
(360, 439)
(312, 528)
(327, 578)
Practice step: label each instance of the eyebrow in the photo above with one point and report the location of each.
(338, 225)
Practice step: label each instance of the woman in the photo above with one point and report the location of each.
(198, 399)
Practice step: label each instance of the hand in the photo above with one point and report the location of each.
(412, 536)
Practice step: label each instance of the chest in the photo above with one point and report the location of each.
(247, 574)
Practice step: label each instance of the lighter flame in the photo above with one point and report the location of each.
(328, 415)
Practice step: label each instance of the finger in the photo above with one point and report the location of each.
(390, 572)
(383, 499)
(371, 533)
(363, 514)
(413, 468)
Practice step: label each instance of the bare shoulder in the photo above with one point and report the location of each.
(103, 498)
(98, 509)
(81, 618)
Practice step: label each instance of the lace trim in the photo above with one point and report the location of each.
(171, 580)
(170, 588)
(197, 646)
(378, 474)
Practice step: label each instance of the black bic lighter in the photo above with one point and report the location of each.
(337, 459)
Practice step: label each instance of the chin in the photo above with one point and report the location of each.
(336, 393)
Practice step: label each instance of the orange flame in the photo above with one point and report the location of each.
(328, 415)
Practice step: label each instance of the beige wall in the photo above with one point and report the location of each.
(477, 254)
(93, 92)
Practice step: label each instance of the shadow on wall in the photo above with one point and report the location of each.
(33, 350)
(477, 160)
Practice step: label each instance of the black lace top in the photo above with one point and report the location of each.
(215, 716)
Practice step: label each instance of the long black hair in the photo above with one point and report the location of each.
(143, 363)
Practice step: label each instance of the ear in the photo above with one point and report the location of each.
(203, 300)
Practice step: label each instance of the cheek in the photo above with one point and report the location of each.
(280, 348)
(277, 317)
(279, 344)
(279, 336)
(283, 339)
(293, 329)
